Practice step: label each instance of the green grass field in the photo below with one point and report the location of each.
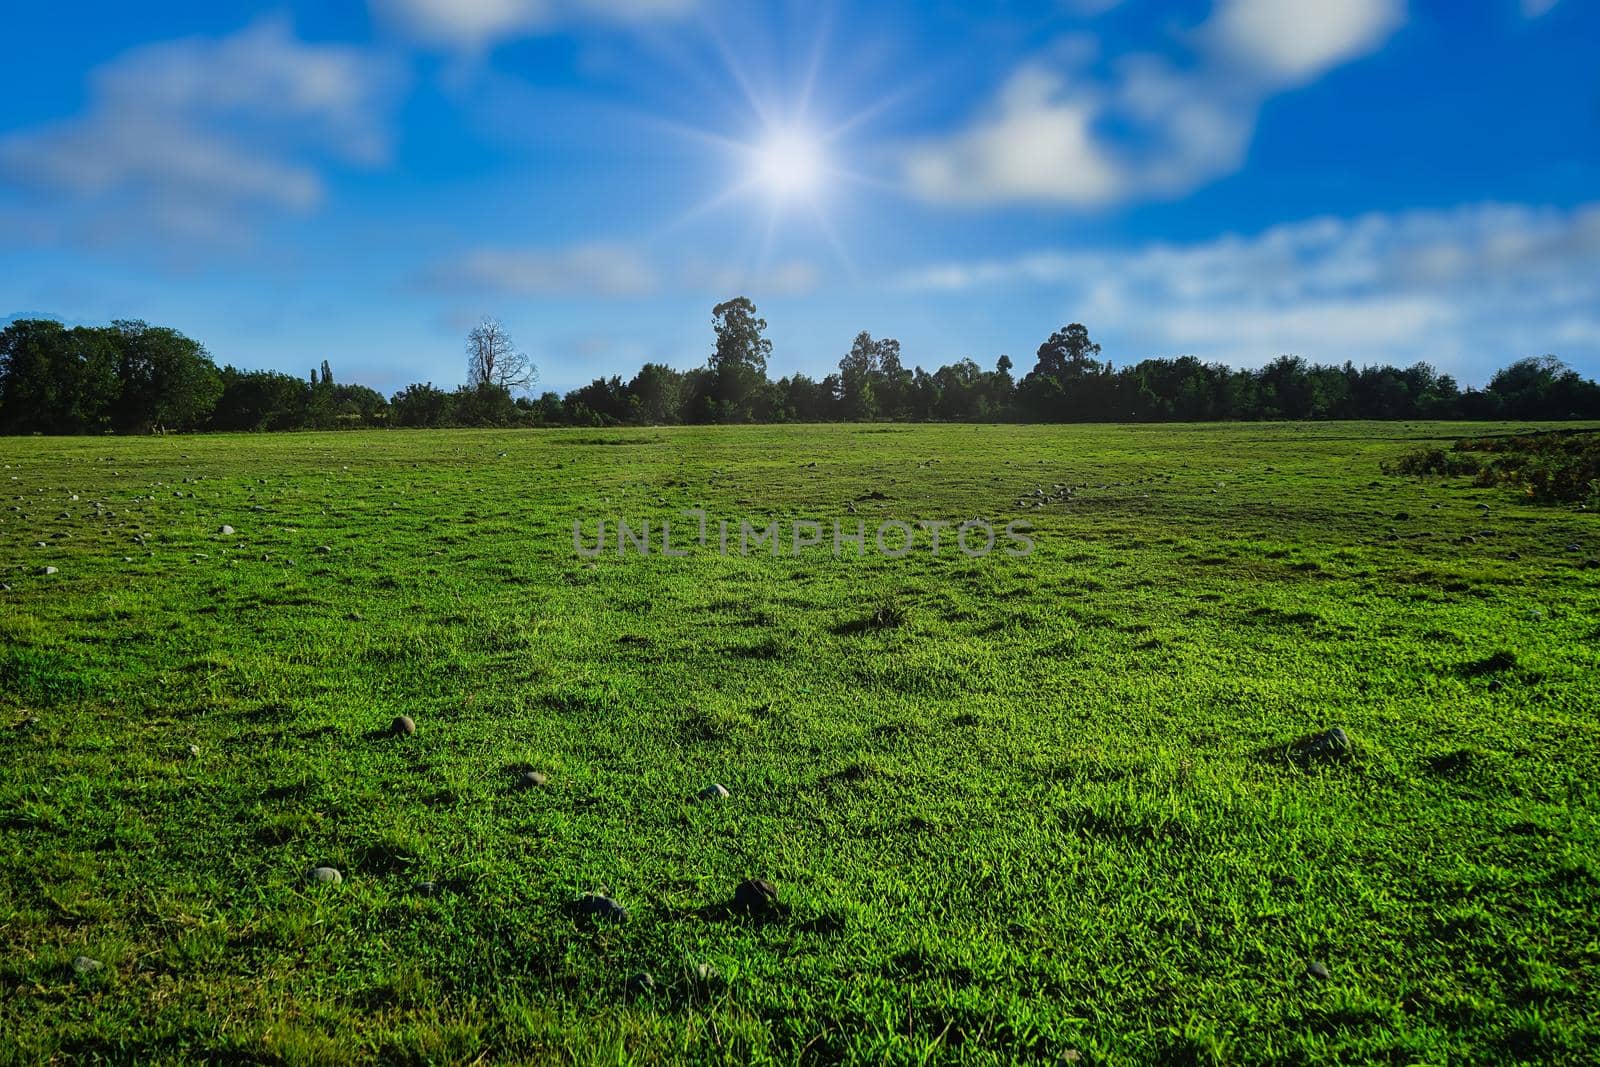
(1015, 808)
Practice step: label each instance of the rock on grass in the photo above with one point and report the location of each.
(597, 907)
(324, 876)
(403, 726)
(1329, 746)
(756, 897)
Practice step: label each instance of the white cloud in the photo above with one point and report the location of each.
(1046, 138)
(474, 24)
(1467, 288)
(595, 269)
(794, 278)
(189, 135)
(606, 270)
(1290, 42)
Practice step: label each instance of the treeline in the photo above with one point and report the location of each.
(133, 378)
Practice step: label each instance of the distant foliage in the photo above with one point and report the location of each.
(132, 378)
(1434, 461)
(1555, 467)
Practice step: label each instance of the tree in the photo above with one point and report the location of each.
(1067, 354)
(738, 363)
(656, 394)
(259, 400)
(56, 380)
(422, 404)
(493, 359)
(1067, 381)
(892, 382)
(856, 372)
(168, 380)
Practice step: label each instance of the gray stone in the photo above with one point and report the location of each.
(83, 965)
(324, 876)
(1318, 971)
(532, 780)
(225, 530)
(756, 896)
(599, 907)
(322, 550)
(48, 570)
(403, 726)
(1329, 746)
(714, 791)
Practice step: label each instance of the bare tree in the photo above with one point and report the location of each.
(493, 359)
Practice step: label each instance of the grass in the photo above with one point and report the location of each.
(1035, 808)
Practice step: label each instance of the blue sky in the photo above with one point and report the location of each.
(1369, 180)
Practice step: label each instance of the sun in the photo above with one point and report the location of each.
(790, 165)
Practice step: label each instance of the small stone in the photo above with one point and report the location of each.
(1574, 547)
(602, 908)
(324, 876)
(40, 544)
(322, 550)
(225, 530)
(756, 896)
(426, 889)
(194, 750)
(705, 974)
(714, 791)
(1318, 971)
(403, 726)
(48, 570)
(641, 984)
(531, 780)
(1513, 556)
(82, 965)
(1329, 746)
(1483, 507)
